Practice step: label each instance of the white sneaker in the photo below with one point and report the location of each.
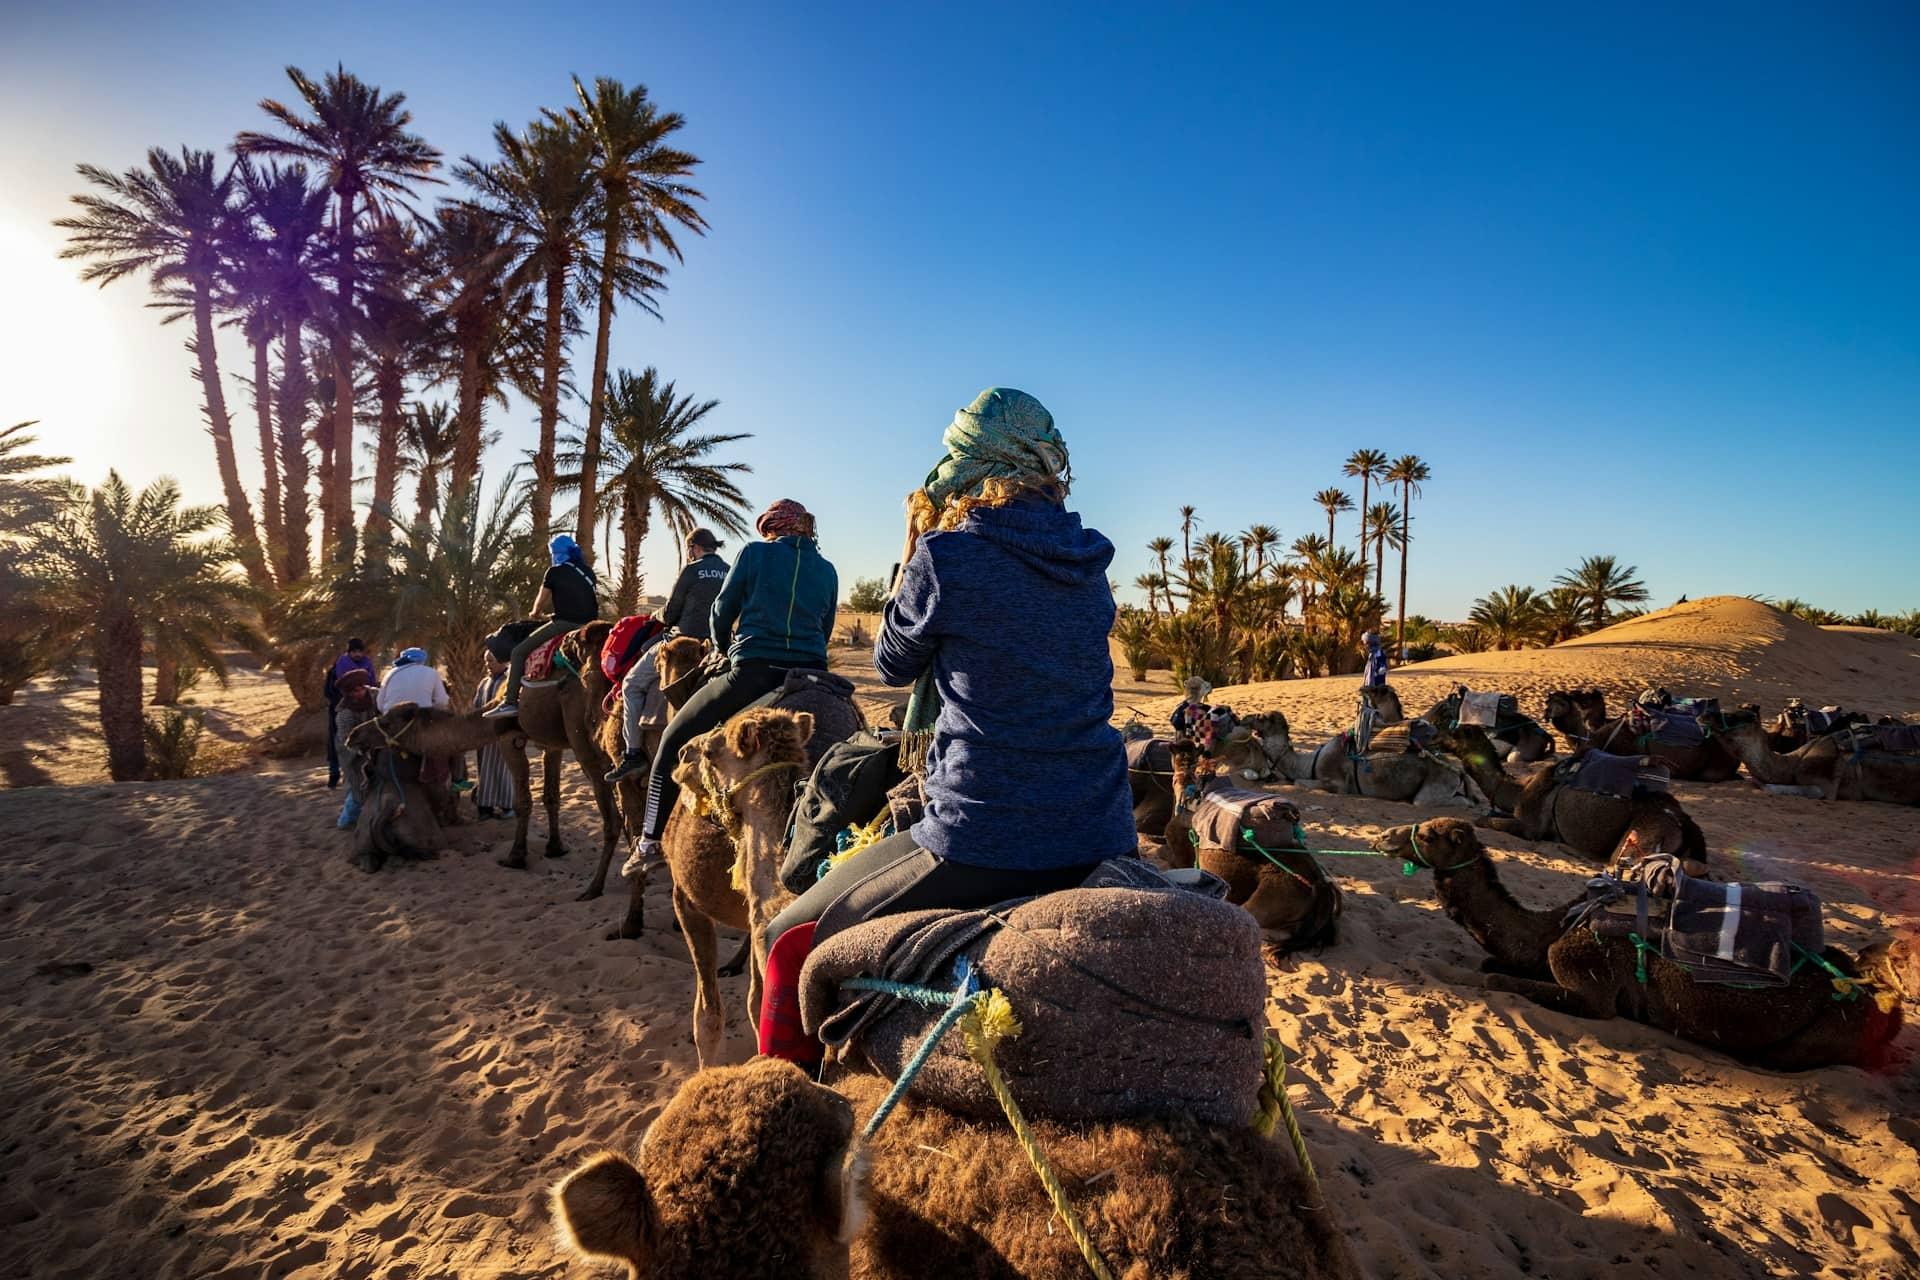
(645, 854)
(504, 711)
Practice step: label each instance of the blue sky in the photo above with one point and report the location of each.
(1632, 281)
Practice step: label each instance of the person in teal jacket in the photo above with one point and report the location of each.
(773, 615)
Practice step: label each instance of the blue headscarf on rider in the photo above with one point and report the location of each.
(410, 656)
(565, 550)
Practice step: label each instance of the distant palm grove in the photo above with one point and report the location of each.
(381, 334)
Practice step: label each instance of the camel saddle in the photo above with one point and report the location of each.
(1609, 775)
(1409, 737)
(1722, 933)
(1135, 997)
(1897, 738)
(1149, 755)
(1244, 821)
(540, 662)
(1675, 722)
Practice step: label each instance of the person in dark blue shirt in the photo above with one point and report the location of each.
(1025, 776)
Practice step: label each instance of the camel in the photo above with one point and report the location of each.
(1290, 896)
(1793, 1028)
(1543, 807)
(1708, 760)
(756, 1173)
(1420, 778)
(1829, 768)
(1517, 736)
(402, 816)
(1150, 774)
(1576, 713)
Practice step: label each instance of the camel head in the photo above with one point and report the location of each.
(677, 659)
(1441, 845)
(1894, 968)
(750, 1171)
(743, 773)
(1385, 703)
(426, 730)
(1559, 707)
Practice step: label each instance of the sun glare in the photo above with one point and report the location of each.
(62, 349)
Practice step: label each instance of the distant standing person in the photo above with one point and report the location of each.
(691, 605)
(354, 659)
(356, 690)
(1376, 661)
(569, 593)
(495, 795)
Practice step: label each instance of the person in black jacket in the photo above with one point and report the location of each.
(690, 606)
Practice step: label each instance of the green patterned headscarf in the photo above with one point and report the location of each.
(1003, 434)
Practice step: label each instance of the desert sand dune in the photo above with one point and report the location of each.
(227, 1053)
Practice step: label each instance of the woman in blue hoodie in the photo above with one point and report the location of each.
(999, 622)
(773, 615)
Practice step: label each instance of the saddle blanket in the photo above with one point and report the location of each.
(1723, 933)
(540, 661)
(1676, 723)
(1887, 737)
(1483, 709)
(1611, 775)
(1409, 736)
(1138, 1000)
(1225, 813)
(1149, 755)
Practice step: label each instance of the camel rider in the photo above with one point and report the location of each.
(643, 702)
(1025, 779)
(1197, 729)
(569, 591)
(690, 607)
(773, 615)
(413, 680)
(1376, 661)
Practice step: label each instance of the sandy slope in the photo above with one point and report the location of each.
(277, 1066)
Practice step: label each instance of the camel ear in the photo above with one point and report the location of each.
(843, 1192)
(803, 721)
(602, 1209)
(743, 736)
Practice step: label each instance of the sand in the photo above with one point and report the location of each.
(274, 1065)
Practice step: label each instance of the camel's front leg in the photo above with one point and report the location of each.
(635, 921)
(587, 752)
(515, 752)
(551, 763)
(709, 1017)
(1551, 995)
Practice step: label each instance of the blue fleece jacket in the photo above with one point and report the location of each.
(777, 603)
(1012, 611)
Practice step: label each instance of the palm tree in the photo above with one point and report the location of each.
(1510, 617)
(1381, 524)
(1409, 472)
(358, 137)
(1161, 547)
(113, 567)
(542, 186)
(1258, 540)
(1562, 615)
(1305, 549)
(1332, 501)
(169, 220)
(1603, 582)
(404, 337)
(426, 454)
(642, 192)
(1369, 465)
(489, 311)
(653, 458)
(25, 500)
(1152, 584)
(1189, 517)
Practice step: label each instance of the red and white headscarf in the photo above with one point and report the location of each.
(785, 518)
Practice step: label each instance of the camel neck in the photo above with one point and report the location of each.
(1514, 935)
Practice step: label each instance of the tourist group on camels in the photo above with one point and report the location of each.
(1001, 927)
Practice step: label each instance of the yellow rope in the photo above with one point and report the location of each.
(1274, 1106)
(990, 1022)
(716, 802)
(862, 837)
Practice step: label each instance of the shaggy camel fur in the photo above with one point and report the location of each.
(1522, 743)
(752, 1172)
(1792, 1028)
(743, 773)
(1419, 778)
(1295, 903)
(1830, 767)
(1614, 828)
(1576, 713)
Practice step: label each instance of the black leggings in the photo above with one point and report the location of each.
(731, 691)
(895, 875)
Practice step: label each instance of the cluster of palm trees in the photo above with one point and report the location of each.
(1221, 611)
(1907, 623)
(1585, 598)
(381, 334)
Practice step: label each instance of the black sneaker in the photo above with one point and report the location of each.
(631, 763)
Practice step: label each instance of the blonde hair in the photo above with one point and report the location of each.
(996, 491)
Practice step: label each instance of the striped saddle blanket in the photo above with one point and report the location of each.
(1724, 933)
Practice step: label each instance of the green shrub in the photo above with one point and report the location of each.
(173, 742)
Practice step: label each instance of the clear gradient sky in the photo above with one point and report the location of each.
(1634, 280)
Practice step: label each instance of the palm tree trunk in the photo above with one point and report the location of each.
(390, 384)
(293, 450)
(467, 419)
(633, 531)
(1379, 557)
(611, 236)
(426, 497)
(220, 426)
(551, 354)
(1364, 477)
(116, 661)
(270, 507)
(1406, 540)
(1329, 528)
(166, 680)
(342, 507)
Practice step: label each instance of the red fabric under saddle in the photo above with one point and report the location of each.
(540, 661)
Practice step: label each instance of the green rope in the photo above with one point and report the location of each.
(1246, 833)
(1845, 987)
(1641, 947)
(957, 1004)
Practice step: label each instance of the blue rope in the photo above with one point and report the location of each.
(957, 1003)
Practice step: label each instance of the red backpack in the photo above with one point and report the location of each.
(625, 642)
